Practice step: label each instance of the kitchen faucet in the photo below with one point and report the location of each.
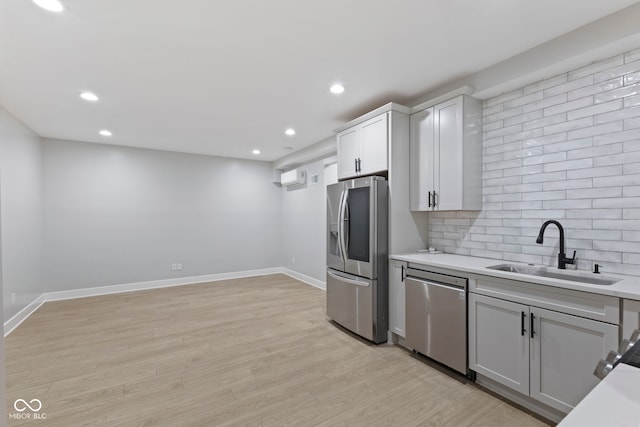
(562, 258)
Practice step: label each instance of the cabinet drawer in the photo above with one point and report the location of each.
(584, 304)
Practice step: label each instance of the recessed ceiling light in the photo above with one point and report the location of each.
(290, 132)
(337, 89)
(105, 132)
(50, 5)
(89, 96)
(256, 152)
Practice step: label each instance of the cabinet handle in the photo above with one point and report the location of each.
(429, 198)
(434, 198)
(522, 329)
(359, 164)
(402, 274)
(531, 326)
(355, 162)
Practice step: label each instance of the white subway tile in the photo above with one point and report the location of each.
(486, 238)
(631, 168)
(522, 188)
(457, 221)
(504, 114)
(540, 250)
(543, 177)
(595, 172)
(578, 243)
(518, 93)
(491, 158)
(606, 128)
(510, 180)
(487, 111)
(504, 214)
(603, 256)
(576, 224)
(569, 126)
(568, 184)
(568, 165)
(518, 222)
(488, 127)
(632, 123)
(624, 224)
(632, 78)
(544, 121)
(544, 195)
(604, 107)
(629, 146)
(488, 222)
(619, 93)
(616, 179)
(530, 133)
(502, 131)
(631, 236)
(631, 258)
(631, 213)
(468, 244)
(503, 164)
(492, 142)
(616, 136)
(568, 145)
(544, 103)
(523, 118)
(576, 106)
(485, 254)
(525, 152)
(544, 140)
(545, 214)
(519, 240)
(504, 247)
(596, 67)
(521, 206)
(509, 197)
(600, 234)
(625, 113)
(503, 231)
(596, 89)
(618, 71)
(601, 150)
(569, 86)
(595, 193)
(504, 147)
(495, 206)
(617, 159)
(616, 246)
(595, 213)
(526, 99)
(632, 101)
(523, 170)
(492, 174)
(621, 202)
(547, 158)
(566, 204)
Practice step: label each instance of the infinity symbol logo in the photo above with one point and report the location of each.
(21, 405)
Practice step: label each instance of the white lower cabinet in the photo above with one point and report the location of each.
(397, 271)
(544, 354)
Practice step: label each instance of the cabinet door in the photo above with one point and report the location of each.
(448, 154)
(348, 152)
(499, 341)
(396, 297)
(421, 160)
(374, 147)
(564, 352)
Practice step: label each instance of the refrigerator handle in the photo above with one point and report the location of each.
(341, 226)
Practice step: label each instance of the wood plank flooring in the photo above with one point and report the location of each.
(254, 351)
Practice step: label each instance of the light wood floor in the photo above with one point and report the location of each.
(255, 351)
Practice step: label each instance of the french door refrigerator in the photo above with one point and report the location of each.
(357, 256)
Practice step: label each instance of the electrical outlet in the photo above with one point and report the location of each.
(174, 267)
(179, 267)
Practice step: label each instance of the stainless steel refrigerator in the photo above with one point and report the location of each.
(357, 252)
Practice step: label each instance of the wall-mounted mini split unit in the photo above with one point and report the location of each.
(293, 177)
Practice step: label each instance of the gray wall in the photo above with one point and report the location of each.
(21, 216)
(119, 215)
(303, 224)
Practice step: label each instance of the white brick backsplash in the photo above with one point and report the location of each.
(618, 93)
(595, 193)
(602, 129)
(568, 184)
(596, 89)
(565, 148)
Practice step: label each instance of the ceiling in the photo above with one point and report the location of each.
(225, 77)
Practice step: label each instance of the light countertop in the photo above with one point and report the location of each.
(627, 287)
(615, 401)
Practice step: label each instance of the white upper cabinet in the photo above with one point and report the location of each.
(363, 148)
(446, 156)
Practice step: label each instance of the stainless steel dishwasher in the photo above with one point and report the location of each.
(436, 316)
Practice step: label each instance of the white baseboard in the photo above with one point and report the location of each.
(304, 278)
(23, 314)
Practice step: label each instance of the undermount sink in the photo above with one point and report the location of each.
(554, 274)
